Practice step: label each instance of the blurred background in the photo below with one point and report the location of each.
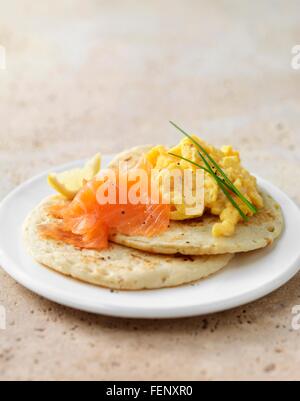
(101, 75)
(87, 76)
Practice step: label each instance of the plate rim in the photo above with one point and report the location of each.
(57, 296)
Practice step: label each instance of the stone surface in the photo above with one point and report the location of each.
(101, 76)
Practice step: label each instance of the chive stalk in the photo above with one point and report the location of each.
(225, 181)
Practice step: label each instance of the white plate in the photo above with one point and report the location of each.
(247, 278)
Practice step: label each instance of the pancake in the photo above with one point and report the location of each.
(194, 237)
(117, 267)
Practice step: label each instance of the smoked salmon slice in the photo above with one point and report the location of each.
(87, 220)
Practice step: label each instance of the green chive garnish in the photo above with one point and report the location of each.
(225, 184)
(218, 181)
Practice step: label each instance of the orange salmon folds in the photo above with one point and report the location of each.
(87, 223)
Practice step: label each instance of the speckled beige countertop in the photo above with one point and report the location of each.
(104, 75)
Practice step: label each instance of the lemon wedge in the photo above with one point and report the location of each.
(68, 183)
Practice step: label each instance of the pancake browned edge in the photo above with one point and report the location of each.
(194, 237)
(118, 267)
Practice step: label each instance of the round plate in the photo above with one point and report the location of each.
(247, 278)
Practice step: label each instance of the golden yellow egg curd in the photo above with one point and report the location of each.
(215, 200)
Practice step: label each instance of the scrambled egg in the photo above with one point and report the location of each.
(215, 201)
